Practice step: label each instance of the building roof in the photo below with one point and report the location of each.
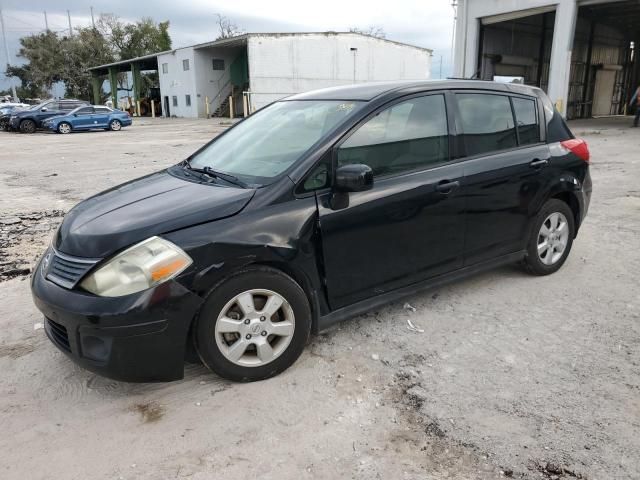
(149, 62)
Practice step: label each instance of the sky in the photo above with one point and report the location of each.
(425, 23)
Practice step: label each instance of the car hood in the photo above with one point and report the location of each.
(134, 211)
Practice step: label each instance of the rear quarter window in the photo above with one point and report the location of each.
(526, 120)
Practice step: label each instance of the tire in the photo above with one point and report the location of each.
(115, 125)
(27, 126)
(269, 344)
(64, 127)
(548, 248)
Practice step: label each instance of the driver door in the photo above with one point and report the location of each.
(410, 225)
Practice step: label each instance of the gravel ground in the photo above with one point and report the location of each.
(506, 375)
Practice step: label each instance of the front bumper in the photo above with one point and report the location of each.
(136, 338)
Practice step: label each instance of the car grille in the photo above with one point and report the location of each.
(58, 334)
(67, 271)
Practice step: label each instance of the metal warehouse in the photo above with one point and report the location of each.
(582, 53)
(241, 74)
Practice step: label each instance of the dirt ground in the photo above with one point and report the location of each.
(506, 375)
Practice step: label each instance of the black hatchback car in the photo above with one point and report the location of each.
(314, 209)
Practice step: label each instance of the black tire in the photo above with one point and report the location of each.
(115, 125)
(532, 262)
(61, 127)
(27, 126)
(242, 281)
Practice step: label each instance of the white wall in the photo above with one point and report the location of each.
(281, 65)
(178, 82)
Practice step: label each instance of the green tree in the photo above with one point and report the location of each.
(56, 58)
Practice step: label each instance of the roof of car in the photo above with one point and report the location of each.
(371, 90)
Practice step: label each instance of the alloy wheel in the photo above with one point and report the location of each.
(553, 238)
(64, 128)
(115, 125)
(254, 328)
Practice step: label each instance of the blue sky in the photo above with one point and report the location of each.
(426, 23)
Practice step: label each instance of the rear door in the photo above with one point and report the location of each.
(83, 118)
(410, 226)
(504, 170)
(101, 117)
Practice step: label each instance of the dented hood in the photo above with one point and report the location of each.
(134, 211)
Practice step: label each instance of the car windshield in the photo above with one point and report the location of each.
(268, 142)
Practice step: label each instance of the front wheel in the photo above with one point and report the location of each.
(64, 127)
(115, 125)
(27, 126)
(253, 326)
(550, 239)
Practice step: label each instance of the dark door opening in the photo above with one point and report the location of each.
(166, 107)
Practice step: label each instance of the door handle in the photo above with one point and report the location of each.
(446, 186)
(538, 163)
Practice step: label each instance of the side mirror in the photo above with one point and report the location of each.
(354, 178)
(44, 109)
(75, 114)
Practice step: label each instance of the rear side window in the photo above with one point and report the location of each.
(487, 122)
(85, 110)
(407, 136)
(526, 120)
(102, 110)
(68, 106)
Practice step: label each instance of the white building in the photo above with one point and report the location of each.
(258, 68)
(582, 52)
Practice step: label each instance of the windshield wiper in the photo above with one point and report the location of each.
(216, 174)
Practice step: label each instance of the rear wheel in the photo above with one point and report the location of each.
(27, 126)
(115, 125)
(253, 326)
(64, 127)
(551, 238)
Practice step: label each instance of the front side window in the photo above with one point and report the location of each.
(407, 136)
(175, 101)
(185, 64)
(165, 68)
(526, 120)
(487, 122)
(271, 140)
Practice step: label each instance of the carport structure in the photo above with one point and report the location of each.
(582, 53)
(111, 70)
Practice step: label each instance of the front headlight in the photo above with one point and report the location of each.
(142, 266)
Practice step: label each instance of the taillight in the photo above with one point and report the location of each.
(578, 147)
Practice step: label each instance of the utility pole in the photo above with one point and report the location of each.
(440, 74)
(355, 51)
(46, 21)
(6, 51)
(93, 22)
(69, 18)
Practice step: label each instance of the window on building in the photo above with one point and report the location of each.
(175, 101)
(218, 64)
(165, 68)
(487, 122)
(526, 120)
(185, 64)
(187, 100)
(407, 136)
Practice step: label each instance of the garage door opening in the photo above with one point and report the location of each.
(604, 67)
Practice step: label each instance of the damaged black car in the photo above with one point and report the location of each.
(316, 208)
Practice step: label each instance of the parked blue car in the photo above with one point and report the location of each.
(87, 118)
